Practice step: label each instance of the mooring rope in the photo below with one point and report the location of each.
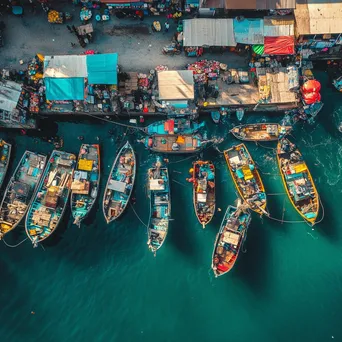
(173, 180)
(18, 244)
(117, 123)
(137, 215)
(179, 161)
(270, 148)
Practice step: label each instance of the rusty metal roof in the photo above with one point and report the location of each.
(260, 4)
(315, 17)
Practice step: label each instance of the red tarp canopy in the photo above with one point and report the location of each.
(283, 45)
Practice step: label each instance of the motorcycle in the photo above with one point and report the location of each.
(173, 49)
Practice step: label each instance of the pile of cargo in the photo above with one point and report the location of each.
(311, 92)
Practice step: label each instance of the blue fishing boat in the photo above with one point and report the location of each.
(5, 155)
(20, 190)
(51, 197)
(230, 238)
(216, 117)
(85, 184)
(174, 126)
(160, 205)
(120, 183)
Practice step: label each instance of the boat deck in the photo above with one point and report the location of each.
(120, 184)
(184, 143)
(85, 181)
(229, 241)
(52, 196)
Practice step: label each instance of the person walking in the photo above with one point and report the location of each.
(167, 26)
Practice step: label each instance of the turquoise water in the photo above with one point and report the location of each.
(100, 283)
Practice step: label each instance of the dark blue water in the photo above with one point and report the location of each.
(100, 282)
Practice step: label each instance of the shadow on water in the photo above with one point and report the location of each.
(329, 227)
(252, 267)
(180, 230)
(58, 234)
(16, 308)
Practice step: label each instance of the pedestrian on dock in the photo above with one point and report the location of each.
(167, 26)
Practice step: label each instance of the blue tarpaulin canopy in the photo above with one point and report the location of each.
(192, 2)
(249, 31)
(102, 69)
(59, 89)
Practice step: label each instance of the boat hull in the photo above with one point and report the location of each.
(312, 220)
(117, 195)
(204, 214)
(175, 144)
(22, 185)
(88, 172)
(258, 132)
(5, 155)
(160, 208)
(51, 197)
(262, 208)
(174, 126)
(225, 253)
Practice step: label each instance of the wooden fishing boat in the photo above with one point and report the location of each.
(260, 132)
(246, 178)
(203, 178)
(85, 183)
(230, 238)
(160, 205)
(51, 197)
(174, 126)
(175, 144)
(5, 155)
(297, 181)
(20, 190)
(120, 183)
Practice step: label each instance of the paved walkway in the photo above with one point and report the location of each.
(138, 47)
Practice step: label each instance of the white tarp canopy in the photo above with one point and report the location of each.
(117, 185)
(176, 85)
(157, 184)
(9, 95)
(65, 66)
(208, 32)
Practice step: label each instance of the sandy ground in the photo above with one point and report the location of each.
(138, 47)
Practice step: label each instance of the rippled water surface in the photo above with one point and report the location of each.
(100, 282)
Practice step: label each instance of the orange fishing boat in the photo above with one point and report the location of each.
(231, 236)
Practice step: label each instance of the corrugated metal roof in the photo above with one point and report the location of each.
(212, 4)
(316, 17)
(260, 4)
(208, 32)
(65, 66)
(176, 85)
(9, 95)
(249, 31)
(279, 26)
